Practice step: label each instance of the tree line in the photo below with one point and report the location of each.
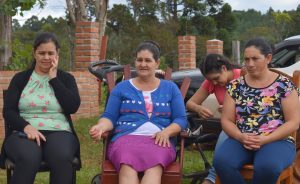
(161, 21)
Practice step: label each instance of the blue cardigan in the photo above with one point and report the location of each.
(126, 108)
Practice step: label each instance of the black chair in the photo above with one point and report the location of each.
(10, 166)
(202, 135)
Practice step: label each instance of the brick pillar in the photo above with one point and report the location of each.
(5, 78)
(214, 47)
(87, 46)
(187, 52)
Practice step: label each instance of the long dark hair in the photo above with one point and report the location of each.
(214, 62)
(44, 37)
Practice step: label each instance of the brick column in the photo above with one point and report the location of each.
(5, 78)
(87, 46)
(187, 52)
(214, 47)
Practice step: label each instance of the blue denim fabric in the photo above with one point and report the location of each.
(212, 172)
(268, 161)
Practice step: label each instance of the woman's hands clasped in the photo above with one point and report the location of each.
(252, 141)
(33, 134)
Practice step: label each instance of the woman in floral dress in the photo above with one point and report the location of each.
(261, 110)
(37, 106)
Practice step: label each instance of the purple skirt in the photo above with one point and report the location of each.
(139, 152)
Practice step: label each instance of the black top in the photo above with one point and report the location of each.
(66, 93)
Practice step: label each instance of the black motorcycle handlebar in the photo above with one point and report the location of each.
(106, 67)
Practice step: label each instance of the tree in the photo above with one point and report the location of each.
(84, 10)
(24, 35)
(225, 18)
(87, 10)
(224, 35)
(144, 10)
(280, 22)
(254, 32)
(16, 25)
(123, 30)
(33, 24)
(9, 8)
(120, 19)
(174, 9)
(205, 25)
(295, 15)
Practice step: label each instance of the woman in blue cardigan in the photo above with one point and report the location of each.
(144, 113)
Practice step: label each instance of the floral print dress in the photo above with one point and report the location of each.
(259, 110)
(39, 106)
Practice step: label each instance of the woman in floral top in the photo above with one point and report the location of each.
(261, 110)
(37, 106)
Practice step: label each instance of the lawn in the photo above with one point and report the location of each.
(91, 154)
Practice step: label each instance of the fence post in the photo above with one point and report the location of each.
(236, 52)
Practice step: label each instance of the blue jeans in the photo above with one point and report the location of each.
(212, 172)
(268, 161)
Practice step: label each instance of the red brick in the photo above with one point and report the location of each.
(87, 24)
(214, 51)
(185, 42)
(83, 80)
(190, 38)
(3, 86)
(7, 73)
(82, 66)
(87, 47)
(86, 59)
(183, 60)
(86, 35)
(180, 37)
(5, 80)
(87, 30)
(191, 46)
(87, 53)
(214, 46)
(214, 42)
(186, 51)
(77, 42)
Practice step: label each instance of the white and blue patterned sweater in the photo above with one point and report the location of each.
(126, 108)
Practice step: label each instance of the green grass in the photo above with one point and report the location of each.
(91, 153)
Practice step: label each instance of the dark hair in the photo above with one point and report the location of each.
(45, 38)
(214, 63)
(263, 46)
(41, 38)
(151, 46)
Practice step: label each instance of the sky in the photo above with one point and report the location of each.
(56, 8)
